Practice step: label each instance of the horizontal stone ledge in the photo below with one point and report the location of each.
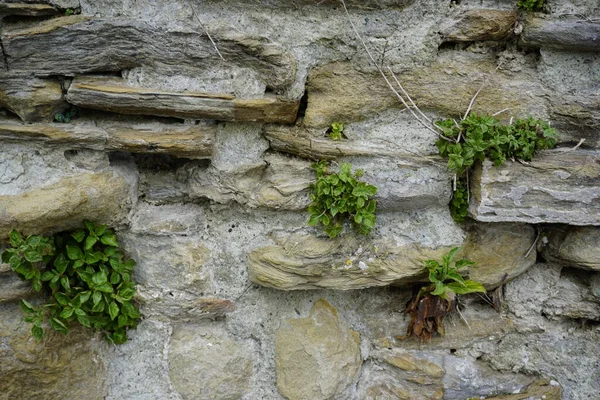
(556, 187)
(114, 95)
(184, 310)
(185, 141)
(80, 44)
(568, 35)
(27, 9)
(481, 24)
(32, 99)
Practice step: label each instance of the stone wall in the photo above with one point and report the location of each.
(203, 165)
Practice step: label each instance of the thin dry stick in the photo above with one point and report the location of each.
(407, 96)
(207, 34)
(573, 148)
(387, 81)
(462, 317)
(501, 111)
(485, 81)
(533, 245)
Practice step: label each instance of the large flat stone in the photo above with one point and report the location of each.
(27, 9)
(316, 357)
(112, 94)
(573, 246)
(32, 99)
(556, 187)
(570, 35)
(79, 44)
(481, 24)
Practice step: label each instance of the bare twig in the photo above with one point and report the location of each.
(573, 148)
(533, 245)
(485, 81)
(407, 96)
(206, 31)
(462, 317)
(500, 112)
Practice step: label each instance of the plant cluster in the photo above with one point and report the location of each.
(530, 5)
(478, 137)
(335, 131)
(433, 302)
(86, 277)
(341, 196)
(67, 116)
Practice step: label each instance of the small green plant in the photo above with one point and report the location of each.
(67, 116)
(341, 196)
(433, 302)
(335, 132)
(86, 277)
(530, 5)
(478, 137)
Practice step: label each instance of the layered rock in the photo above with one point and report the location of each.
(27, 9)
(569, 35)
(481, 24)
(556, 187)
(316, 357)
(12, 287)
(32, 99)
(572, 246)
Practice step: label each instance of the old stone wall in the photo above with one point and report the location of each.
(201, 160)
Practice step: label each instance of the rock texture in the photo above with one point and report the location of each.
(32, 99)
(316, 357)
(576, 247)
(556, 187)
(569, 35)
(481, 24)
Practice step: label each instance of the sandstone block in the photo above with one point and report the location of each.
(556, 187)
(32, 99)
(316, 357)
(26, 9)
(481, 24)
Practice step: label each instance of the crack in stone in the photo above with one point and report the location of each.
(4, 60)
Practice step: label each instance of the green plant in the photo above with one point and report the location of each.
(86, 277)
(433, 302)
(478, 137)
(67, 116)
(341, 196)
(335, 132)
(530, 5)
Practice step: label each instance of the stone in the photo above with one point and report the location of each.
(176, 308)
(481, 24)
(32, 99)
(112, 94)
(577, 118)
(501, 252)
(167, 219)
(188, 141)
(541, 389)
(573, 246)
(26, 9)
(339, 92)
(12, 287)
(316, 357)
(570, 35)
(556, 187)
(80, 44)
(72, 366)
(205, 362)
(103, 197)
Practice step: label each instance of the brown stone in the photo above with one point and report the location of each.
(27, 9)
(32, 99)
(481, 24)
(573, 246)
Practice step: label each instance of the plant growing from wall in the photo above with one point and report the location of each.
(478, 137)
(336, 130)
(86, 277)
(67, 116)
(428, 308)
(531, 5)
(339, 197)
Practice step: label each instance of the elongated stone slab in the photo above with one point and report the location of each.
(79, 44)
(112, 94)
(570, 35)
(32, 99)
(481, 24)
(27, 9)
(188, 141)
(556, 187)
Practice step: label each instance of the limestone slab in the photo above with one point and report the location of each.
(571, 35)
(316, 357)
(27, 9)
(111, 94)
(556, 187)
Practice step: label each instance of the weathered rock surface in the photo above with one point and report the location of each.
(316, 357)
(542, 389)
(177, 308)
(80, 44)
(481, 24)
(576, 118)
(189, 141)
(32, 99)
(207, 363)
(338, 92)
(576, 247)
(26, 9)
(111, 94)
(556, 187)
(71, 366)
(170, 219)
(11, 286)
(102, 197)
(570, 35)
(500, 251)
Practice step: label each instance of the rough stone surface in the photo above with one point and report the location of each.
(556, 187)
(25, 9)
(501, 252)
(72, 366)
(482, 24)
(205, 362)
(32, 99)
(11, 286)
(316, 357)
(576, 247)
(570, 35)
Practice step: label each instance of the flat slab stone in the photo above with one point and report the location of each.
(556, 187)
(570, 35)
(481, 24)
(113, 94)
(32, 99)
(27, 9)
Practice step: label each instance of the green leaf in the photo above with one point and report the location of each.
(64, 281)
(113, 310)
(105, 287)
(440, 289)
(62, 298)
(130, 310)
(78, 235)
(58, 325)
(96, 297)
(37, 284)
(127, 293)
(99, 278)
(464, 263)
(84, 320)
(27, 307)
(468, 287)
(61, 263)
(32, 256)
(66, 313)
(16, 240)
(74, 253)
(122, 321)
(90, 241)
(115, 278)
(37, 332)
(98, 307)
(47, 276)
(109, 239)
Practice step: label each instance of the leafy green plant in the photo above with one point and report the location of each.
(67, 116)
(86, 277)
(478, 137)
(530, 5)
(335, 131)
(341, 196)
(430, 305)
